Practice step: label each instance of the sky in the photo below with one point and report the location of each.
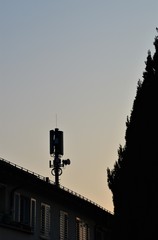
(72, 65)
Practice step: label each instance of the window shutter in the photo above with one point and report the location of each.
(45, 220)
(63, 225)
(33, 214)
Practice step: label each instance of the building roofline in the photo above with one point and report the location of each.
(46, 179)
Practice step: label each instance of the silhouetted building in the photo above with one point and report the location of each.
(33, 207)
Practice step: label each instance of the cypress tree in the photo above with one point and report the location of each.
(134, 179)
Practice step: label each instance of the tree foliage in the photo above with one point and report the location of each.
(134, 179)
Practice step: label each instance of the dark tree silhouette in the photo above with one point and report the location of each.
(134, 179)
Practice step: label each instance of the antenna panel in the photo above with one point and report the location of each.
(56, 142)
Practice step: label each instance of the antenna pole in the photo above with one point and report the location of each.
(57, 163)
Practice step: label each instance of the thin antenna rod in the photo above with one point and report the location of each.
(56, 119)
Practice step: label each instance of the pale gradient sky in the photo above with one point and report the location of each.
(79, 60)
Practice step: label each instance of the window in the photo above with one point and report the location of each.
(82, 230)
(45, 220)
(24, 210)
(63, 225)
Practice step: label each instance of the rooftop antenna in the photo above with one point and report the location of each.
(57, 151)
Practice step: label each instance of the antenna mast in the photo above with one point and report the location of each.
(57, 151)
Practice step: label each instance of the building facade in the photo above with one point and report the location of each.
(32, 207)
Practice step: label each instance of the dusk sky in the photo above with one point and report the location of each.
(72, 65)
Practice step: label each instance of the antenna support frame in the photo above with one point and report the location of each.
(56, 151)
